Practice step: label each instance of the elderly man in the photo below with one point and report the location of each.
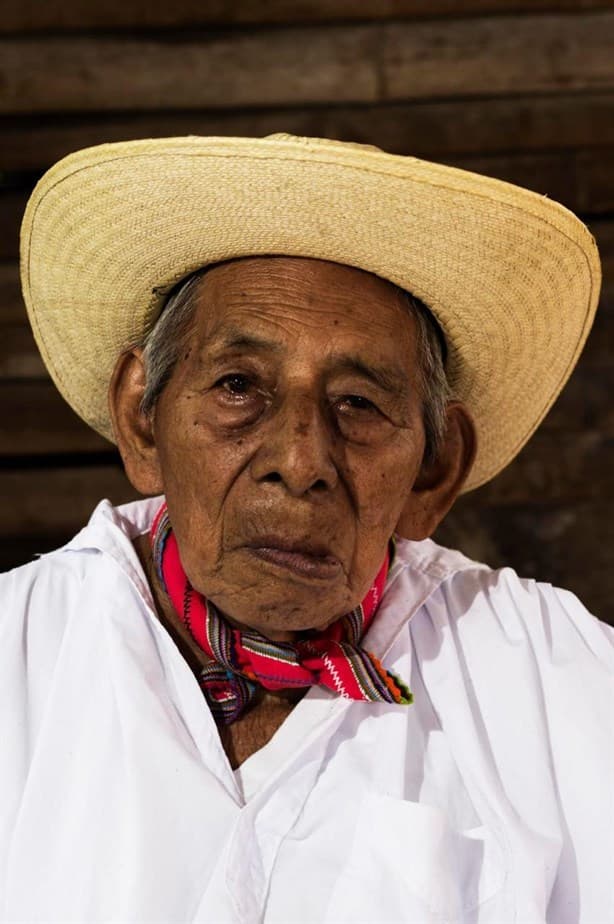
(309, 349)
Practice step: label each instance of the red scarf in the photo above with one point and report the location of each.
(243, 658)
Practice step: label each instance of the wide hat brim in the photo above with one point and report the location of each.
(512, 277)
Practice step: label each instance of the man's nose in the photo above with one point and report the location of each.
(297, 448)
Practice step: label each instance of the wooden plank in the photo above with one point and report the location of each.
(12, 308)
(19, 356)
(12, 205)
(603, 232)
(36, 421)
(39, 502)
(217, 71)
(585, 404)
(571, 466)
(491, 56)
(292, 66)
(431, 129)
(32, 15)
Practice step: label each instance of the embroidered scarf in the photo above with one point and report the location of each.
(241, 659)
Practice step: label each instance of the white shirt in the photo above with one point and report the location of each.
(488, 800)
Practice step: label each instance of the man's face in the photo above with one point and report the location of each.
(289, 437)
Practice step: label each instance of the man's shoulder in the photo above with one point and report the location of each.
(438, 561)
(516, 649)
(52, 571)
(472, 600)
(99, 557)
(42, 594)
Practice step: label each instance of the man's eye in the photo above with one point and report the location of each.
(356, 403)
(235, 384)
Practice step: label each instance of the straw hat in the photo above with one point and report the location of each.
(512, 277)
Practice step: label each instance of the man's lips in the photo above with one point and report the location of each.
(303, 557)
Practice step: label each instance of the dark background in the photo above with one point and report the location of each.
(519, 90)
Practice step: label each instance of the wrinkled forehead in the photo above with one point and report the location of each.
(317, 278)
(331, 296)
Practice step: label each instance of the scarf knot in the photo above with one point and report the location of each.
(244, 659)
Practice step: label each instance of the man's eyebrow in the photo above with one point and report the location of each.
(391, 379)
(236, 339)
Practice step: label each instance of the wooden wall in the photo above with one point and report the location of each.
(519, 89)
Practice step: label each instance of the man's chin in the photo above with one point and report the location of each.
(281, 616)
(277, 591)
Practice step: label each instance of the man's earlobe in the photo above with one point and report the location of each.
(133, 429)
(439, 484)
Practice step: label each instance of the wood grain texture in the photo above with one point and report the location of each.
(294, 66)
(491, 56)
(36, 421)
(12, 205)
(12, 308)
(431, 129)
(572, 465)
(32, 15)
(19, 356)
(57, 501)
(216, 71)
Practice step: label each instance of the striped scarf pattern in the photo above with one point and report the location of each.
(242, 659)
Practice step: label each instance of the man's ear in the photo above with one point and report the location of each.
(133, 429)
(439, 484)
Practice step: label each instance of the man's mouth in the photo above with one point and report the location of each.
(303, 557)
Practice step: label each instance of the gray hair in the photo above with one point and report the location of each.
(163, 344)
(433, 381)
